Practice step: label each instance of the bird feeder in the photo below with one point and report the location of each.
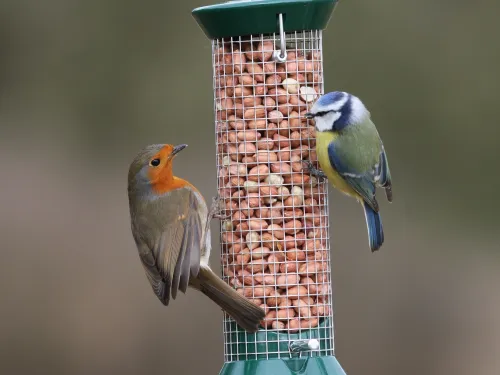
(267, 73)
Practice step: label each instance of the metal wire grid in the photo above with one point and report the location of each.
(275, 242)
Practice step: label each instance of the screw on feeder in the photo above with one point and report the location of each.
(304, 345)
(276, 54)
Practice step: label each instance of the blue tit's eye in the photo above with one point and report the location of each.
(154, 162)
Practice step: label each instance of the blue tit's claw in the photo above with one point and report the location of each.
(319, 174)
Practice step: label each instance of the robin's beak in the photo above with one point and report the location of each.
(309, 115)
(177, 149)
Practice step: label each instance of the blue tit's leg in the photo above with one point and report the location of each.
(319, 174)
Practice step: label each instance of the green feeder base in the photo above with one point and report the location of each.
(327, 365)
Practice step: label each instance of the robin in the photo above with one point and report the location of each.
(171, 227)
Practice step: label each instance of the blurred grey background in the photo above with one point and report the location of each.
(84, 84)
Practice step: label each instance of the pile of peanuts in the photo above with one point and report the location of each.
(274, 239)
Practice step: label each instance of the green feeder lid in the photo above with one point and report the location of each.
(247, 17)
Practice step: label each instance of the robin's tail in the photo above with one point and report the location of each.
(244, 312)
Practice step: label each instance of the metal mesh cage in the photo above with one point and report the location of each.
(275, 241)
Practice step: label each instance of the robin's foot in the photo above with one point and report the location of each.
(216, 210)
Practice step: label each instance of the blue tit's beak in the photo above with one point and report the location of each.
(178, 149)
(309, 115)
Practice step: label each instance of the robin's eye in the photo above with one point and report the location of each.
(155, 162)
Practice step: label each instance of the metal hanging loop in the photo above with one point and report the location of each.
(280, 56)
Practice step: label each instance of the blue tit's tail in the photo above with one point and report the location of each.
(375, 230)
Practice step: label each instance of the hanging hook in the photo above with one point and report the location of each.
(280, 56)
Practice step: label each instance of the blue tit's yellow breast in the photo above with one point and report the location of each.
(323, 139)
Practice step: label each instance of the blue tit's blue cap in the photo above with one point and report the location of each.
(331, 97)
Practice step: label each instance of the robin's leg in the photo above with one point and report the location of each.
(319, 174)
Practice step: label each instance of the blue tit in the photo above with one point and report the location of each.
(351, 155)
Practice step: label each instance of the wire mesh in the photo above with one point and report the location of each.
(275, 242)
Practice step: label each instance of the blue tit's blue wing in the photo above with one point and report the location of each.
(362, 181)
(383, 175)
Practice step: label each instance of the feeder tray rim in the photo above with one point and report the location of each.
(250, 17)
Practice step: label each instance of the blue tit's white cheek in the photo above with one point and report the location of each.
(326, 122)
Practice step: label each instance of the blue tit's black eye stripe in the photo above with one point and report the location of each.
(321, 113)
(155, 162)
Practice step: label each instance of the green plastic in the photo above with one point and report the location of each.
(263, 352)
(270, 344)
(249, 17)
(295, 366)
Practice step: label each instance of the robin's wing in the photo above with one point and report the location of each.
(175, 255)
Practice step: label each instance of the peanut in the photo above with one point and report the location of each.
(281, 140)
(277, 325)
(309, 323)
(287, 280)
(302, 308)
(258, 291)
(293, 226)
(264, 51)
(281, 168)
(271, 242)
(256, 71)
(269, 319)
(252, 240)
(265, 156)
(257, 124)
(285, 314)
(275, 116)
(247, 80)
(293, 325)
(257, 224)
(269, 67)
(310, 268)
(296, 292)
(249, 161)
(274, 299)
(295, 255)
(309, 284)
(279, 94)
(245, 148)
(273, 79)
(257, 112)
(251, 186)
(277, 231)
(265, 279)
(260, 252)
(258, 173)
(257, 265)
(245, 277)
(291, 85)
(265, 144)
